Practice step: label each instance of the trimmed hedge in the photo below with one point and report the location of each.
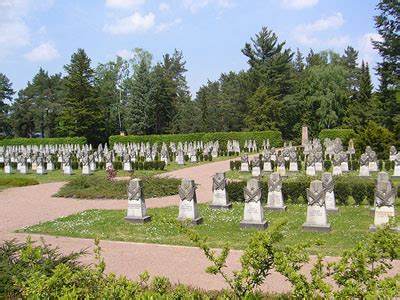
(294, 190)
(275, 138)
(45, 141)
(344, 134)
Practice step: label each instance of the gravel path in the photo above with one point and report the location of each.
(25, 206)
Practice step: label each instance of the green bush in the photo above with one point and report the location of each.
(292, 190)
(344, 134)
(378, 137)
(355, 165)
(17, 182)
(275, 138)
(92, 187)
(45, 141)
(327, 165)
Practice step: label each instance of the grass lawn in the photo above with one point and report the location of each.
(348, 227)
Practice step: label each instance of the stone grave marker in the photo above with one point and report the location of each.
(220, 195)
(275, 197)
(329, 185)
(137, 212)
(316, 211)
(253, 210)
(188, 202)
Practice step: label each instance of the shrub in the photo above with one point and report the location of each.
(232, 165)
(275, 138)
(380, 165)
(344, 134)
(17, 182)
(355, 165)
(342, 192)
(44, 141)
(327, 165)
(388, 165)
(292, 190)
(379, 138)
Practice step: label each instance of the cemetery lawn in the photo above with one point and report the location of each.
(95, 187)
(348, 227)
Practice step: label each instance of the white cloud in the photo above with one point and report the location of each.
(195, 5)
(168, 25)
(43, 53)
(328, 23)
(367, 51)
(134, 23)
(125, 54)
(306, 33)
(164, 7)
(298, 4)
(124, 3)
(14, 31)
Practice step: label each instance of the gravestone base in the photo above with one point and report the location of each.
(244, 167)
(364, 171)
(194, 222)
(220, 206)
(372, 211)
(7, 169)
(310, 171)
(127, 167)
(319, 167)
(255, 171)
(267, 167)
(276, 208)
(373, 228)
(86, 170)
(318, 228)
(332, 210)
(23, 169)
(254, 225)
(138, 220)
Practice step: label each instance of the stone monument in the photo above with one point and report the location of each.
(188, 202)
(316, 211)
(253, 210)
(275, 197)
(244, 166)
(136, 205)
(256, 169)
(220, 195)
(328, 184)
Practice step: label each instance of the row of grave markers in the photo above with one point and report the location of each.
(320, 198)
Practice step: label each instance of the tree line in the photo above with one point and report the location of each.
(281, 89)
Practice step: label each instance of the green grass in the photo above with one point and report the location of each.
(348, 227)
(94, 187)
(16, 182)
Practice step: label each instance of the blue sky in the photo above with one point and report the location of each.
(211, 33)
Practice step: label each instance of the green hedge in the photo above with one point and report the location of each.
(45, 141)
(344, 134)
(294, 190)
(275, 138)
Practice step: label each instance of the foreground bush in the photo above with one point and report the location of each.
(344, 134)
(92, 187)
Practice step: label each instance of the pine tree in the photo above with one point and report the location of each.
(387, 25)
(6, 94)
(140, 108)
(82, 113)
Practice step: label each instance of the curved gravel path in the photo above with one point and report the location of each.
(25, 206)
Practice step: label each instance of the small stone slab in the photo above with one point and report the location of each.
(282, 208)
(138, 220)
(372, 228)
(318, 228)
(372, 211)
(197, 221)
(216, 206)
(395, 177)
(332, 210)
(259, 226)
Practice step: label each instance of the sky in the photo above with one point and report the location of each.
(210, 33)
